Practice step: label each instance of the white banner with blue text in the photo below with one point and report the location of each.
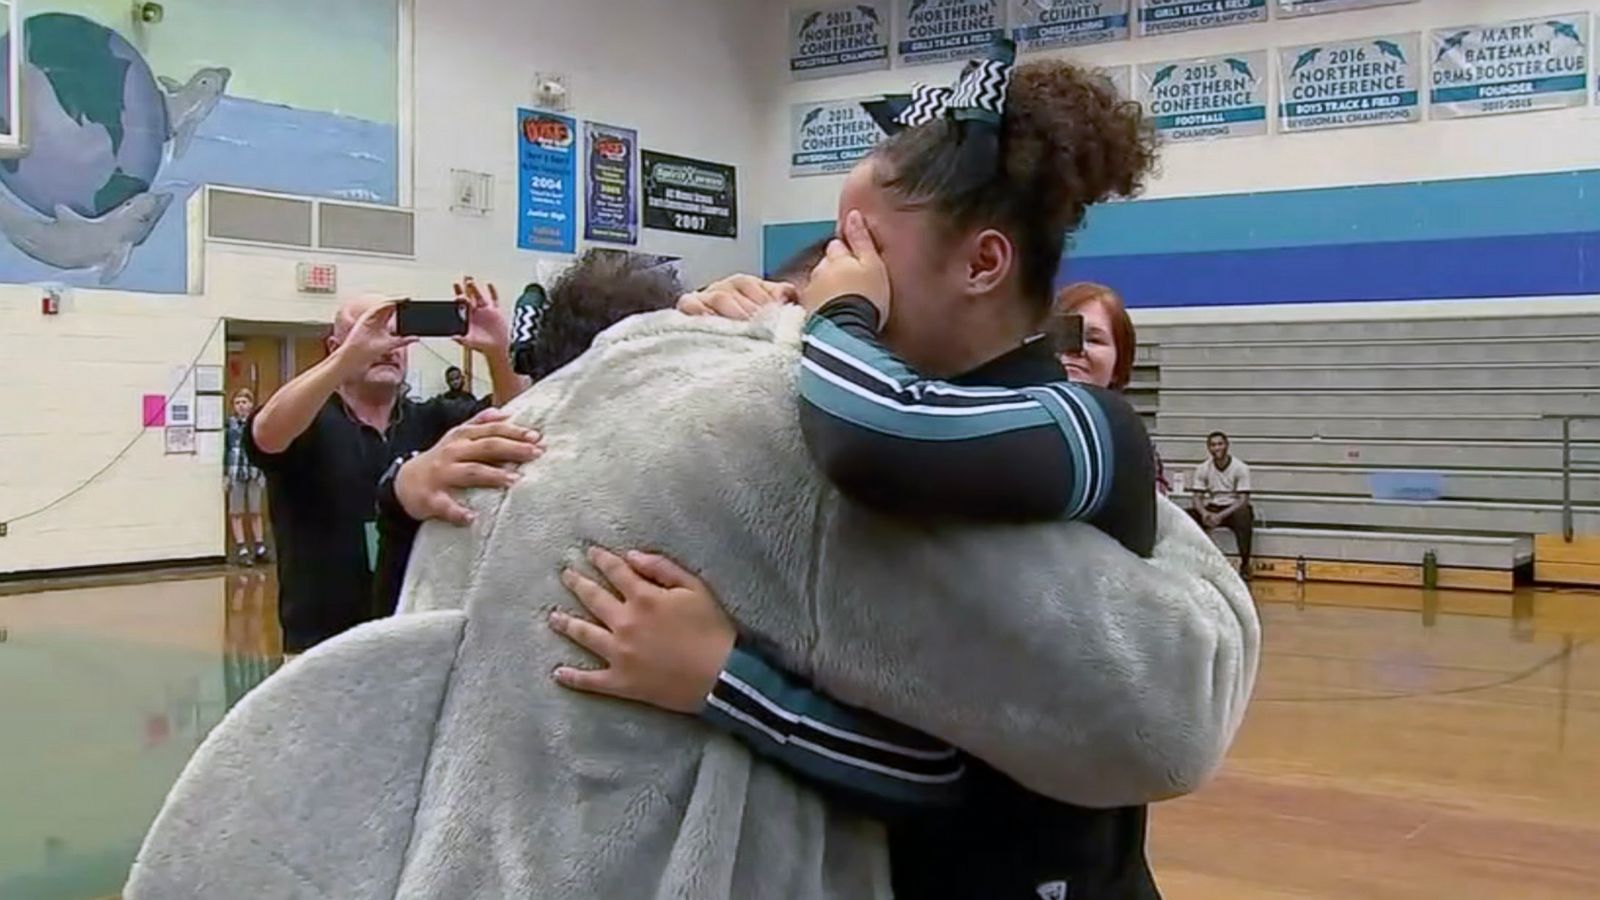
(1169, 16)
(1289, 9)
(930, 31)
(1053, 24)
(828, 136)
(838, 38)
(1208, 97)
(1481, 70)
(1345, 84)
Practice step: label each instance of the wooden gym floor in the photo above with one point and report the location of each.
(1401, 746)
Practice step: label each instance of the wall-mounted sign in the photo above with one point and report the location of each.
(1169, 16)
(611, 205)
(690, 195)
(829, 136)
(838, 38)
(1343, 84)
(930, 31)
(547, 182)
(1530, 64)
(1052, 24)
(1289, 9)
(1207, 97)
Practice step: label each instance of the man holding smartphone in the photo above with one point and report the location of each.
(325, 438)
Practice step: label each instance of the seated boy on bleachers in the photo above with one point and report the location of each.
(1221, 496)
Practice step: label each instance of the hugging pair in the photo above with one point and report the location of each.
(904, 511)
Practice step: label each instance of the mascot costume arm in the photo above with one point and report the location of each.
(430, 755)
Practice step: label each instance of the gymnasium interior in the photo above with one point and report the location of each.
(1395, 320)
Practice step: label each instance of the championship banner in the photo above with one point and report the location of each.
(690, 195)
(1170, 16)
(838, 38)
(1207, 98)
(1345, 84)
(829, 136)
(1053, 24)
(1289, 9)
(1481, 70)
(547, 182)
(611, 210)
(930, 31)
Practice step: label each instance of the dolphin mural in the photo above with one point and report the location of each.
(189, 104)
(72, 241)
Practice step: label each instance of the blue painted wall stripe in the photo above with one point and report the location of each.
(1557, 203)
(1514, 266)
(1509, 236)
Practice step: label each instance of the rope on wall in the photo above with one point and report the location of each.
(216, 327)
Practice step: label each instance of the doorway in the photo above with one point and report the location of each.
(261, 357)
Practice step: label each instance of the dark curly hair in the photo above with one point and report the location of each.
(1068, 142)
(797, 268)
(601, 289)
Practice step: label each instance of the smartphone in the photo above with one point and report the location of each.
(1069, 334)
(430, 318)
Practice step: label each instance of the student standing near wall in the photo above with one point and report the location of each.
(244, 484)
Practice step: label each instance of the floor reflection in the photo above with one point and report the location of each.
(1403, 745)
(105, 692)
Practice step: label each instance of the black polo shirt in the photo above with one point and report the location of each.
(323, 496)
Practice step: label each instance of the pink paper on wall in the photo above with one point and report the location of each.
(155, 410)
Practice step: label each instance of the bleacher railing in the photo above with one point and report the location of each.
(1569, 466)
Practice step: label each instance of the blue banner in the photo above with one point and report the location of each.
(1208, 97)
(611, 204)
(838, 38)
(1168, 16)
(1344, 84)
(547, 182)
(1052, 24)
(930, 31)
(1481, 70)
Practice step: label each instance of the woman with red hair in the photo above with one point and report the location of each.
(1105, 358)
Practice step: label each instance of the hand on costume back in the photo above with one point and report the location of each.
(477, 453)
(851, 266)
(736, 297)
(488, 332)
(662, 634)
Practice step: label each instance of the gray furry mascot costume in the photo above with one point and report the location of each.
(430, 754)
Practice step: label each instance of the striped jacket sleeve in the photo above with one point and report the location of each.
(839, 748)
(907, 444)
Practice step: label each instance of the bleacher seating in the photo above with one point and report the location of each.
(1325, 411)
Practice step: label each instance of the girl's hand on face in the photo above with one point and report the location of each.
(851, 266)
(659, 630)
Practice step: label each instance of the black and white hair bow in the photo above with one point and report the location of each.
(526, 320)
(978, 95)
